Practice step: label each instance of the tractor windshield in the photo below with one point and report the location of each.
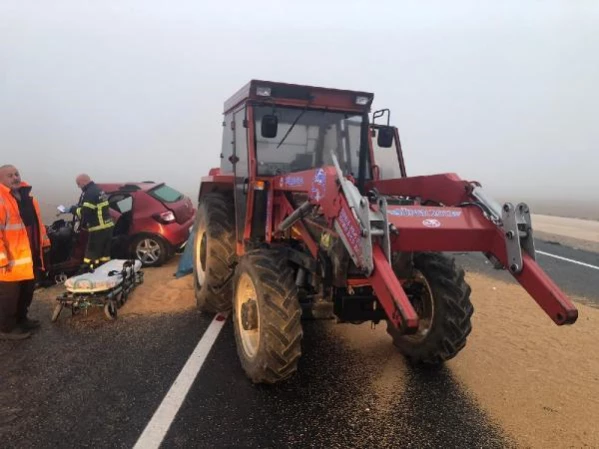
(305, 138)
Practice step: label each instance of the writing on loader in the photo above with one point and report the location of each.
(311, 213)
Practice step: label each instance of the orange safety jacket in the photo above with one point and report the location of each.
(15, 250)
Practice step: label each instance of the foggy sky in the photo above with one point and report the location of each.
(505, 93)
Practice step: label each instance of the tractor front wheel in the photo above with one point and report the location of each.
(441, 297)
(214, 252)
(266, 317)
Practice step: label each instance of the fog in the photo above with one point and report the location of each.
(505, 93)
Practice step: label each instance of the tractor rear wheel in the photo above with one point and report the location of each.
(267, 317)
(214, 252)
(441, 297)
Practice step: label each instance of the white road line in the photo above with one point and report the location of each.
(156, 430)
(568, 260)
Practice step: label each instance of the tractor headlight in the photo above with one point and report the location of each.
(263, 91)
(362, 101)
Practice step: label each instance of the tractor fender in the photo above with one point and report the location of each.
(216, 182)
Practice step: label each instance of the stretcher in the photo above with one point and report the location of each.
(108, 286)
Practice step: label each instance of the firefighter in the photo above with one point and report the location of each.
(92, 210)
(23, 241)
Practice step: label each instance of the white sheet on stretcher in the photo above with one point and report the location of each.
(99, 280)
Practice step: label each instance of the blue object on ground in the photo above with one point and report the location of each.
(186, 262)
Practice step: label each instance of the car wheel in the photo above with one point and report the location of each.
(149, 250)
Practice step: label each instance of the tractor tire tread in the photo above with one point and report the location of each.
(215, 295)
(280, 312)
(448, 337)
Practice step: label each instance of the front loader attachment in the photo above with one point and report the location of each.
(473, 223)
(439, 213)
(503, 233)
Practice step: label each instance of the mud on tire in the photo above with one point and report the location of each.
(451, 311)
(214, 252)
(267, 317)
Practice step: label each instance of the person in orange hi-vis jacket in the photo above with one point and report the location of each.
(23, 241)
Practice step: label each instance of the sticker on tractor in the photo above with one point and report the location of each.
(431, 223)
(294, 181)
(432, 213)
(349, 230)
(318, 190)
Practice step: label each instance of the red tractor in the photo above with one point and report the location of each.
(312, 213)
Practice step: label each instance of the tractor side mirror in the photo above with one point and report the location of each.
(270, 125)
(385, 137)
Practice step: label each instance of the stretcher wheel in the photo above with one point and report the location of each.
(56, 313)
(110, 310)
(60, 278)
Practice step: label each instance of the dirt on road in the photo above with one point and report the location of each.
(541, 381)
(538, 381)
(161, 293)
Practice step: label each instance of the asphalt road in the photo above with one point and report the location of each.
(572, 278)
(90, 383)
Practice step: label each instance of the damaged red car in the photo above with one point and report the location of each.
(152, 223)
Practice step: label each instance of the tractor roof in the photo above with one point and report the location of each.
(297, 95)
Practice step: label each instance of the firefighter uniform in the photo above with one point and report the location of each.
(23, 240)
(93, 212)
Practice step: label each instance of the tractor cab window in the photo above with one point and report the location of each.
(304, 140)
(386, 159)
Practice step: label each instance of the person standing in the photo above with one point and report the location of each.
(23, 241)
(93, 211)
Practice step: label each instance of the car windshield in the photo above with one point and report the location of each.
(308, 143)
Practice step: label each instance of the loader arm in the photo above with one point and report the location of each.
(503, 233)
(463, 219)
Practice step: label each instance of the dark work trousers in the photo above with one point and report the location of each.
(98, 247)
(15, 299)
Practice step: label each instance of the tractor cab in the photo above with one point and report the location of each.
(273, 129)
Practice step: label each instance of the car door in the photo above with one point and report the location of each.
(121, 211)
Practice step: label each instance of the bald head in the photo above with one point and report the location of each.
(10, 176)
(82, 180)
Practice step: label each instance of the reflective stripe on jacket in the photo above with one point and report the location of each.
(15, 250)
(93, 209)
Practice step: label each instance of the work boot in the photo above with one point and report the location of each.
(28, 324)
(15, 334)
